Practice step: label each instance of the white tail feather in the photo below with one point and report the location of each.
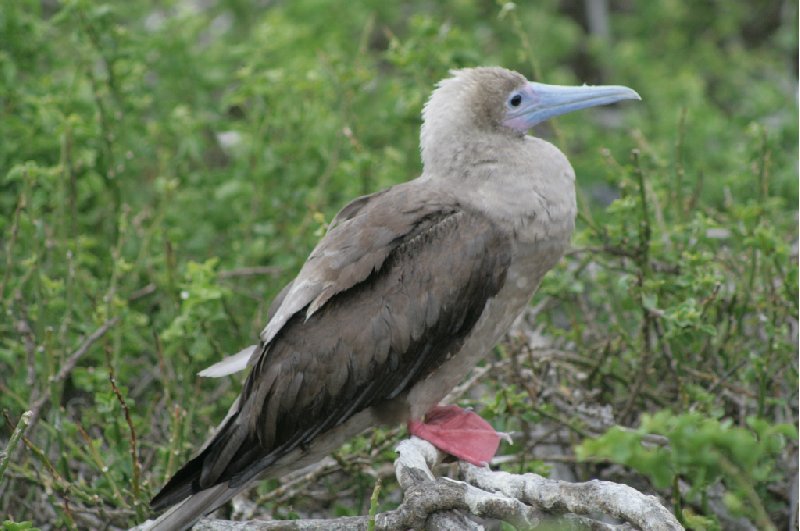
(229, 365)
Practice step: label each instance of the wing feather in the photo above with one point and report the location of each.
(388, 295)
(358, 241)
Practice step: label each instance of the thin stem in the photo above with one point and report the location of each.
(5, 457)
(373, 505)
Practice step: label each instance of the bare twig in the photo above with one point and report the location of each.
(73, 359)
(142, 292)
(67, 367)
(272, 271)
(135, 465)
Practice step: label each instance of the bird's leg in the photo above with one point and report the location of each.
(458, 432)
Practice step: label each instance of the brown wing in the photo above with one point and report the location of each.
(358, 241)
(366, 343)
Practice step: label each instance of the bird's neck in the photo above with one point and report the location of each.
(459, 152)
(525, 183)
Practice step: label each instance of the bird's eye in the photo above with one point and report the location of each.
(515, 100)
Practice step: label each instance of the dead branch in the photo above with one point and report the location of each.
(523, 500)
(559, 497)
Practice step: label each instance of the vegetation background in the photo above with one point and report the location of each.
(166, 166)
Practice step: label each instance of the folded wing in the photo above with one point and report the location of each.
(387, 296)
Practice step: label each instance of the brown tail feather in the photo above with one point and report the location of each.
(187, 480)
(189, 511)
(182, 485)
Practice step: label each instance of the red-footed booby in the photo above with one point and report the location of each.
(408, 290)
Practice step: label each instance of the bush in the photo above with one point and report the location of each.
(168, 166)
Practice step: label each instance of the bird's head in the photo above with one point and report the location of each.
(494, 100)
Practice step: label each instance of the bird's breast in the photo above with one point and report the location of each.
(523, 278)
(535, 203)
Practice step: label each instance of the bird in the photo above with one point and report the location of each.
(409, 288)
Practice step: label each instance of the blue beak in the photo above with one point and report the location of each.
(539, 102)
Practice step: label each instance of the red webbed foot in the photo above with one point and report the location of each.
(461, 433)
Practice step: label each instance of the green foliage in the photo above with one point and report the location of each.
(700, 450)
(10, 525)
(165, 168)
